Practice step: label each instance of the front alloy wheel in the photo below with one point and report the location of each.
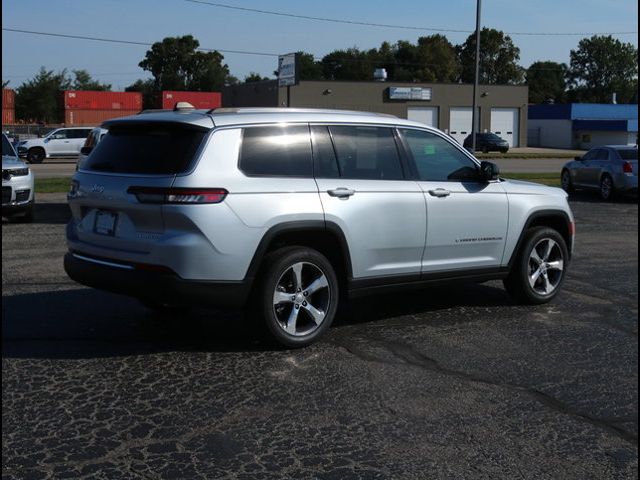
(546, 266)
(539, 268)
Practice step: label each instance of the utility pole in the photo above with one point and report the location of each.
(474, 111)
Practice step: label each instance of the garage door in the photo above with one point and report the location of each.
(460, 123)
(428, 115)
(505, 123)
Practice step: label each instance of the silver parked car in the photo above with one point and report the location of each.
(17, 185)
(289, 211)
(610, 169)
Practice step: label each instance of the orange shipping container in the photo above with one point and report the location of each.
(8, 98)
(206, 100)
(8, 116)
(92, 100)
(81, 118)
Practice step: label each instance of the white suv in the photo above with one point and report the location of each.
(290, 211)
(62, 142)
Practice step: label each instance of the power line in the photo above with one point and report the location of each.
(129, 42)
(385, 25)
(241, 52)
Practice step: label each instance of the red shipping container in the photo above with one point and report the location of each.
(206, 100)
(85, 118)
(8, 116)
(92, 100)
(8, 98)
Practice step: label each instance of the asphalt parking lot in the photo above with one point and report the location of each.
(450, 382)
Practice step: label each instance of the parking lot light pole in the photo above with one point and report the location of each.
(474, 109)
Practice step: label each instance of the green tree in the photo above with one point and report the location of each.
(176, 64)
(547, 82)
(37, 100)
(600, 66)
(150, 96)
(349, 64)
(83, 81)
(498, 58)
(310, 69)
(254, 77)
(5, 83)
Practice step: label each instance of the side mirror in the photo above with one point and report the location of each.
(489, 171)
(86, 150)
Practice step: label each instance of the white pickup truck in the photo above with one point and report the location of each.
(62, 142)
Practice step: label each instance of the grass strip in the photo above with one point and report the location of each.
(546, 178)
(52, 185)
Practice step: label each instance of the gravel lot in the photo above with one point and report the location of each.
(453, 382)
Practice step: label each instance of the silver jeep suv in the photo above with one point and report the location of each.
(292, 211)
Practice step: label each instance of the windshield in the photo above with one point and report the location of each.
(7, 148)
(154, 149)
(628, 154)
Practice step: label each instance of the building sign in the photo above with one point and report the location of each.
(288, 71)
(409, 93)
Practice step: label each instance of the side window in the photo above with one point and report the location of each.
(60, 134)
(438, 160)
(80, 133)
(590, 155)
(602, 154)
(282, 151)
(323, 153)
(367, 153)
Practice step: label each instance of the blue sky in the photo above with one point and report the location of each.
(152, 20)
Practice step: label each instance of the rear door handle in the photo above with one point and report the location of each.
(439, 192)
(341, 192)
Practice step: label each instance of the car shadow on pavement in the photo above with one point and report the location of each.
(87, 323)
(424, 301)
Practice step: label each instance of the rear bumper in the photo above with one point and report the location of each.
(154, 286)
(628, 184)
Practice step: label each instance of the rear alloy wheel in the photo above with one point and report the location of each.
(35, 155)
(298, 295)
(540, 268)
(606, 188)
(565, 181)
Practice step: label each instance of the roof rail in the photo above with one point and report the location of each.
(295, 110)
(154, 110)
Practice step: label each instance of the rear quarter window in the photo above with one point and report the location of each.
(146, 149)
(275, 150)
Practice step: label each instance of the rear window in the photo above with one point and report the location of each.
(628, 154)
(149, 149)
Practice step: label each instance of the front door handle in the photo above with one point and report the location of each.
(341, 192)
(439, 192)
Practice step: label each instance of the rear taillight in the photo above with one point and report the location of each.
(178, 195)
(627, 167)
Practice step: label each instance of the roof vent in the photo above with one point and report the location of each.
(182, 106)
(380, 74)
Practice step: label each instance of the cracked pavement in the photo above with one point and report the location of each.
(449, 382)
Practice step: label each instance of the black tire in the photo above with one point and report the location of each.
(36, 155)
(278, 276)
(565, 181)
(485, 149)
(518, 283)
(607, 188)
(504, 150)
